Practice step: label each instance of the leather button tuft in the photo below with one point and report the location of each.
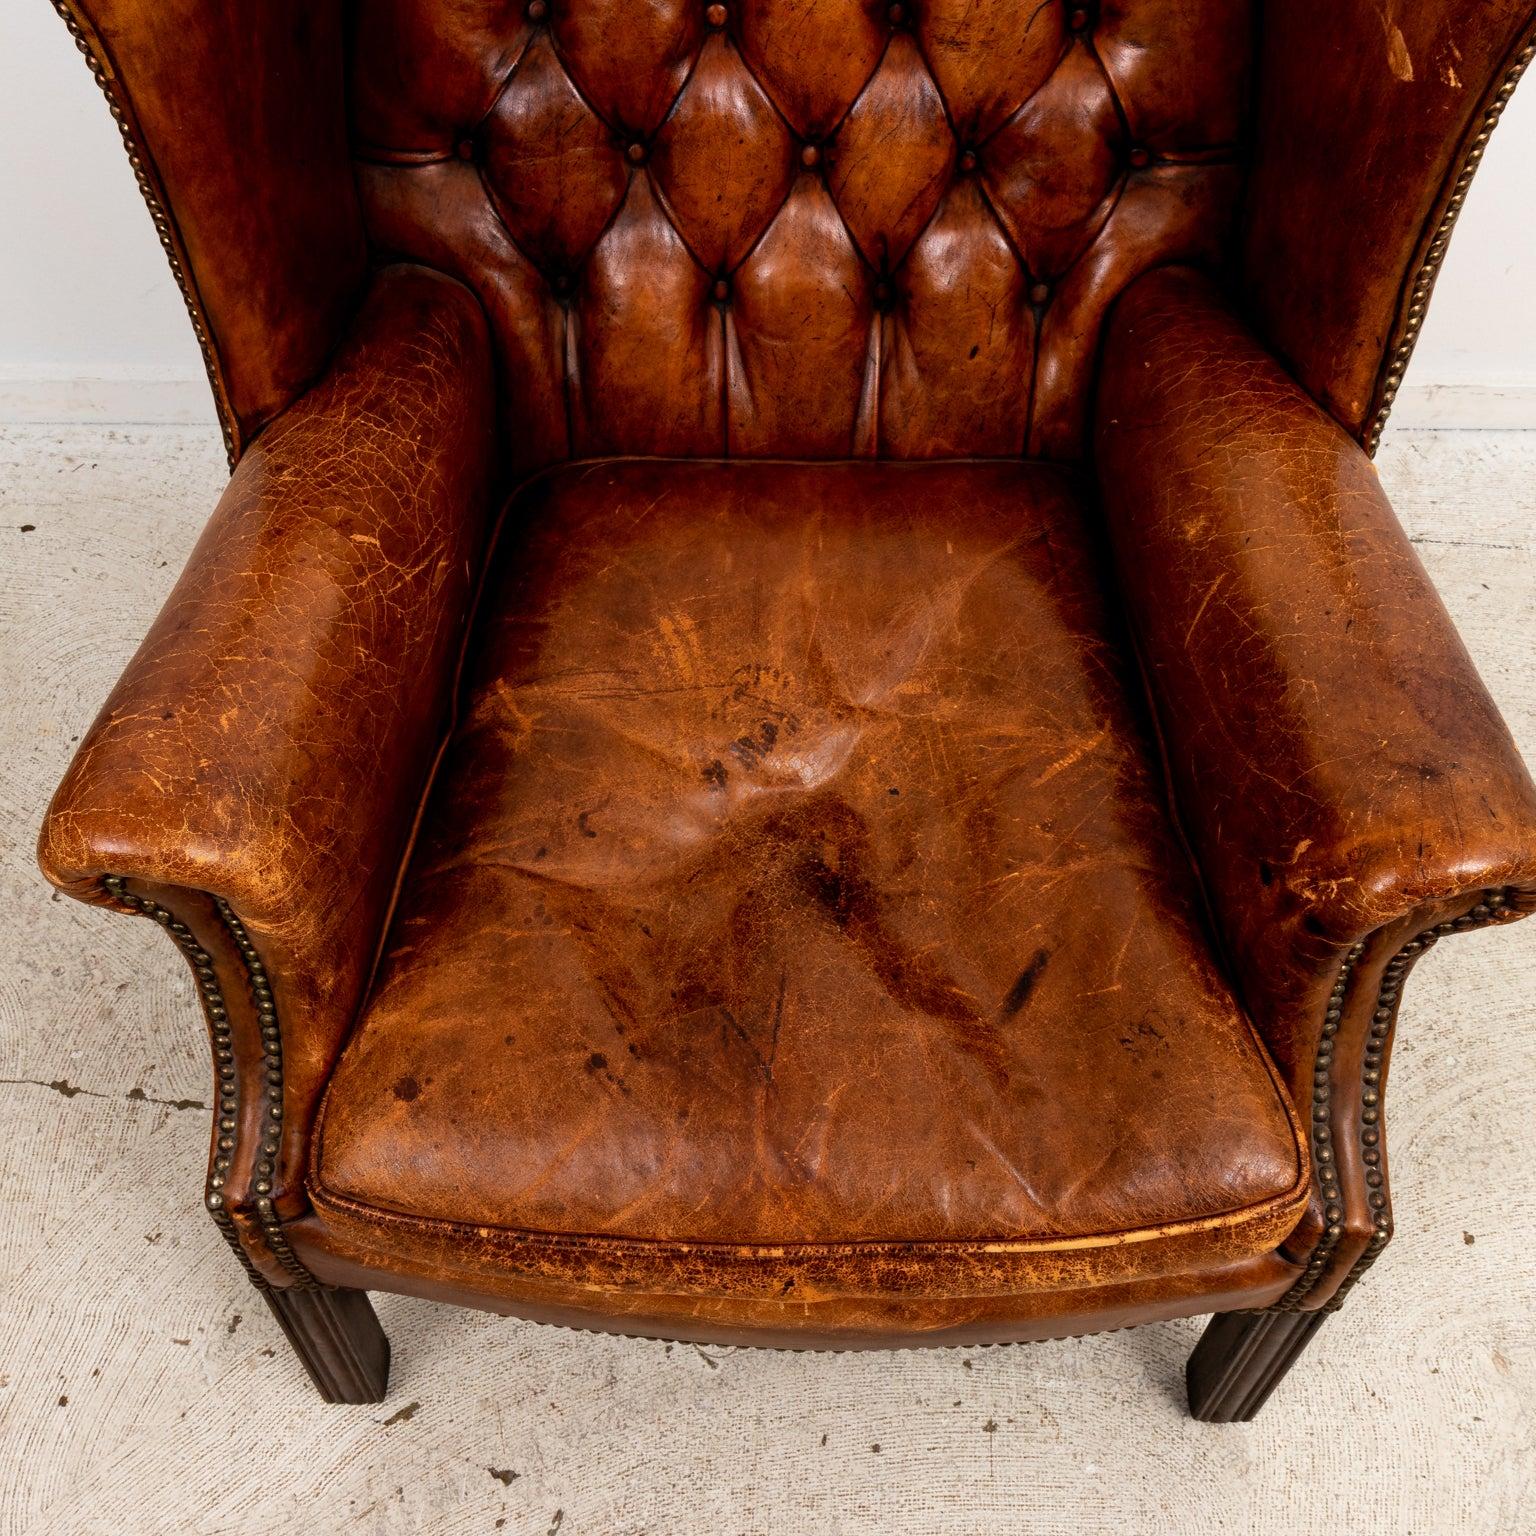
(1140, 157)
(722, 290)
(896, 15)
(885, 296)
(1039, 293)
(1079, 19)
(636, 152)
(716, 15)
(967, 161)
(810, 155)
(466, 149)
(537, 10)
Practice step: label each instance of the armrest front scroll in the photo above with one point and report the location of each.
(1347, 786)
(253, 779)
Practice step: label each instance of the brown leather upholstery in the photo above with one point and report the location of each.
(289, 697)
(864, 229)
(219, 101)
(1325, 730)
(1382, 111)
(812, 897)
(797, 850)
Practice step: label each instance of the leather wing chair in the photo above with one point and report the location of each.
(803, 722)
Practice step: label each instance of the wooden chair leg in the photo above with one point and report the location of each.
(1241, 1358)
(337, 1336)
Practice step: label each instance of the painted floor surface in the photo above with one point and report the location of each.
(144, 1388)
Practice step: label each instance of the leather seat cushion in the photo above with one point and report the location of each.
(798, 878)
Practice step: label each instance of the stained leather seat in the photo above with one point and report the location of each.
(798, 874)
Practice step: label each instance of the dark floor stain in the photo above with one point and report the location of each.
(138, 1096)
(876, 1447)
(558, 1521)
(404, 1416)
(182, 1342)
(504, 1475)
(582, 827)
(1018, 993)
(58, 1085)
(405, 1089)
(234, 1322)
(990, 1427)
(1468, 1239)
(63, 1400)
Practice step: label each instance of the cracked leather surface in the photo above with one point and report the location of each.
(798, 1298)
(797, 875)
(962, 1061)
(270, 740)
(1337, 761)
(1341, 772)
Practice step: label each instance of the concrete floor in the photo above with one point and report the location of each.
(143, 1388)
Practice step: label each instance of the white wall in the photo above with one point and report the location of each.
(91, 325)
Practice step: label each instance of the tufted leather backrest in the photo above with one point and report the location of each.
(811, 228)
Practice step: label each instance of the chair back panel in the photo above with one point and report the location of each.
(806, 228)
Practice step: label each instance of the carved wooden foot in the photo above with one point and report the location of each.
(338, 1337)
(1241, 1358)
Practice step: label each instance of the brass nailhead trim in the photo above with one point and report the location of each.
(272, 1055)
(1494, 907)
(217, 1013)
(161, 218)
(1429, 269)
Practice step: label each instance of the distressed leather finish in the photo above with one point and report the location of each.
(812, 228)
(797, 877)
(1342, 774)
(1338, 762)
(1378, 112)
(235, 117)
(811, 933)
(270, 740)
(788, 1298)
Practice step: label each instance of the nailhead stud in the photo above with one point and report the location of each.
(1488, 909)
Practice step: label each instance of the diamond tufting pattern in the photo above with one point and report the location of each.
(807, 228)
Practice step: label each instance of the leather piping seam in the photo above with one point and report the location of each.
(1275, 1207)
(216, 1011)
(94, 51)
(1494, 906)
(1410, 318)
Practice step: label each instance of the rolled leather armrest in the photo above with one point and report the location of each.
(254, 776)
(1346, 784)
